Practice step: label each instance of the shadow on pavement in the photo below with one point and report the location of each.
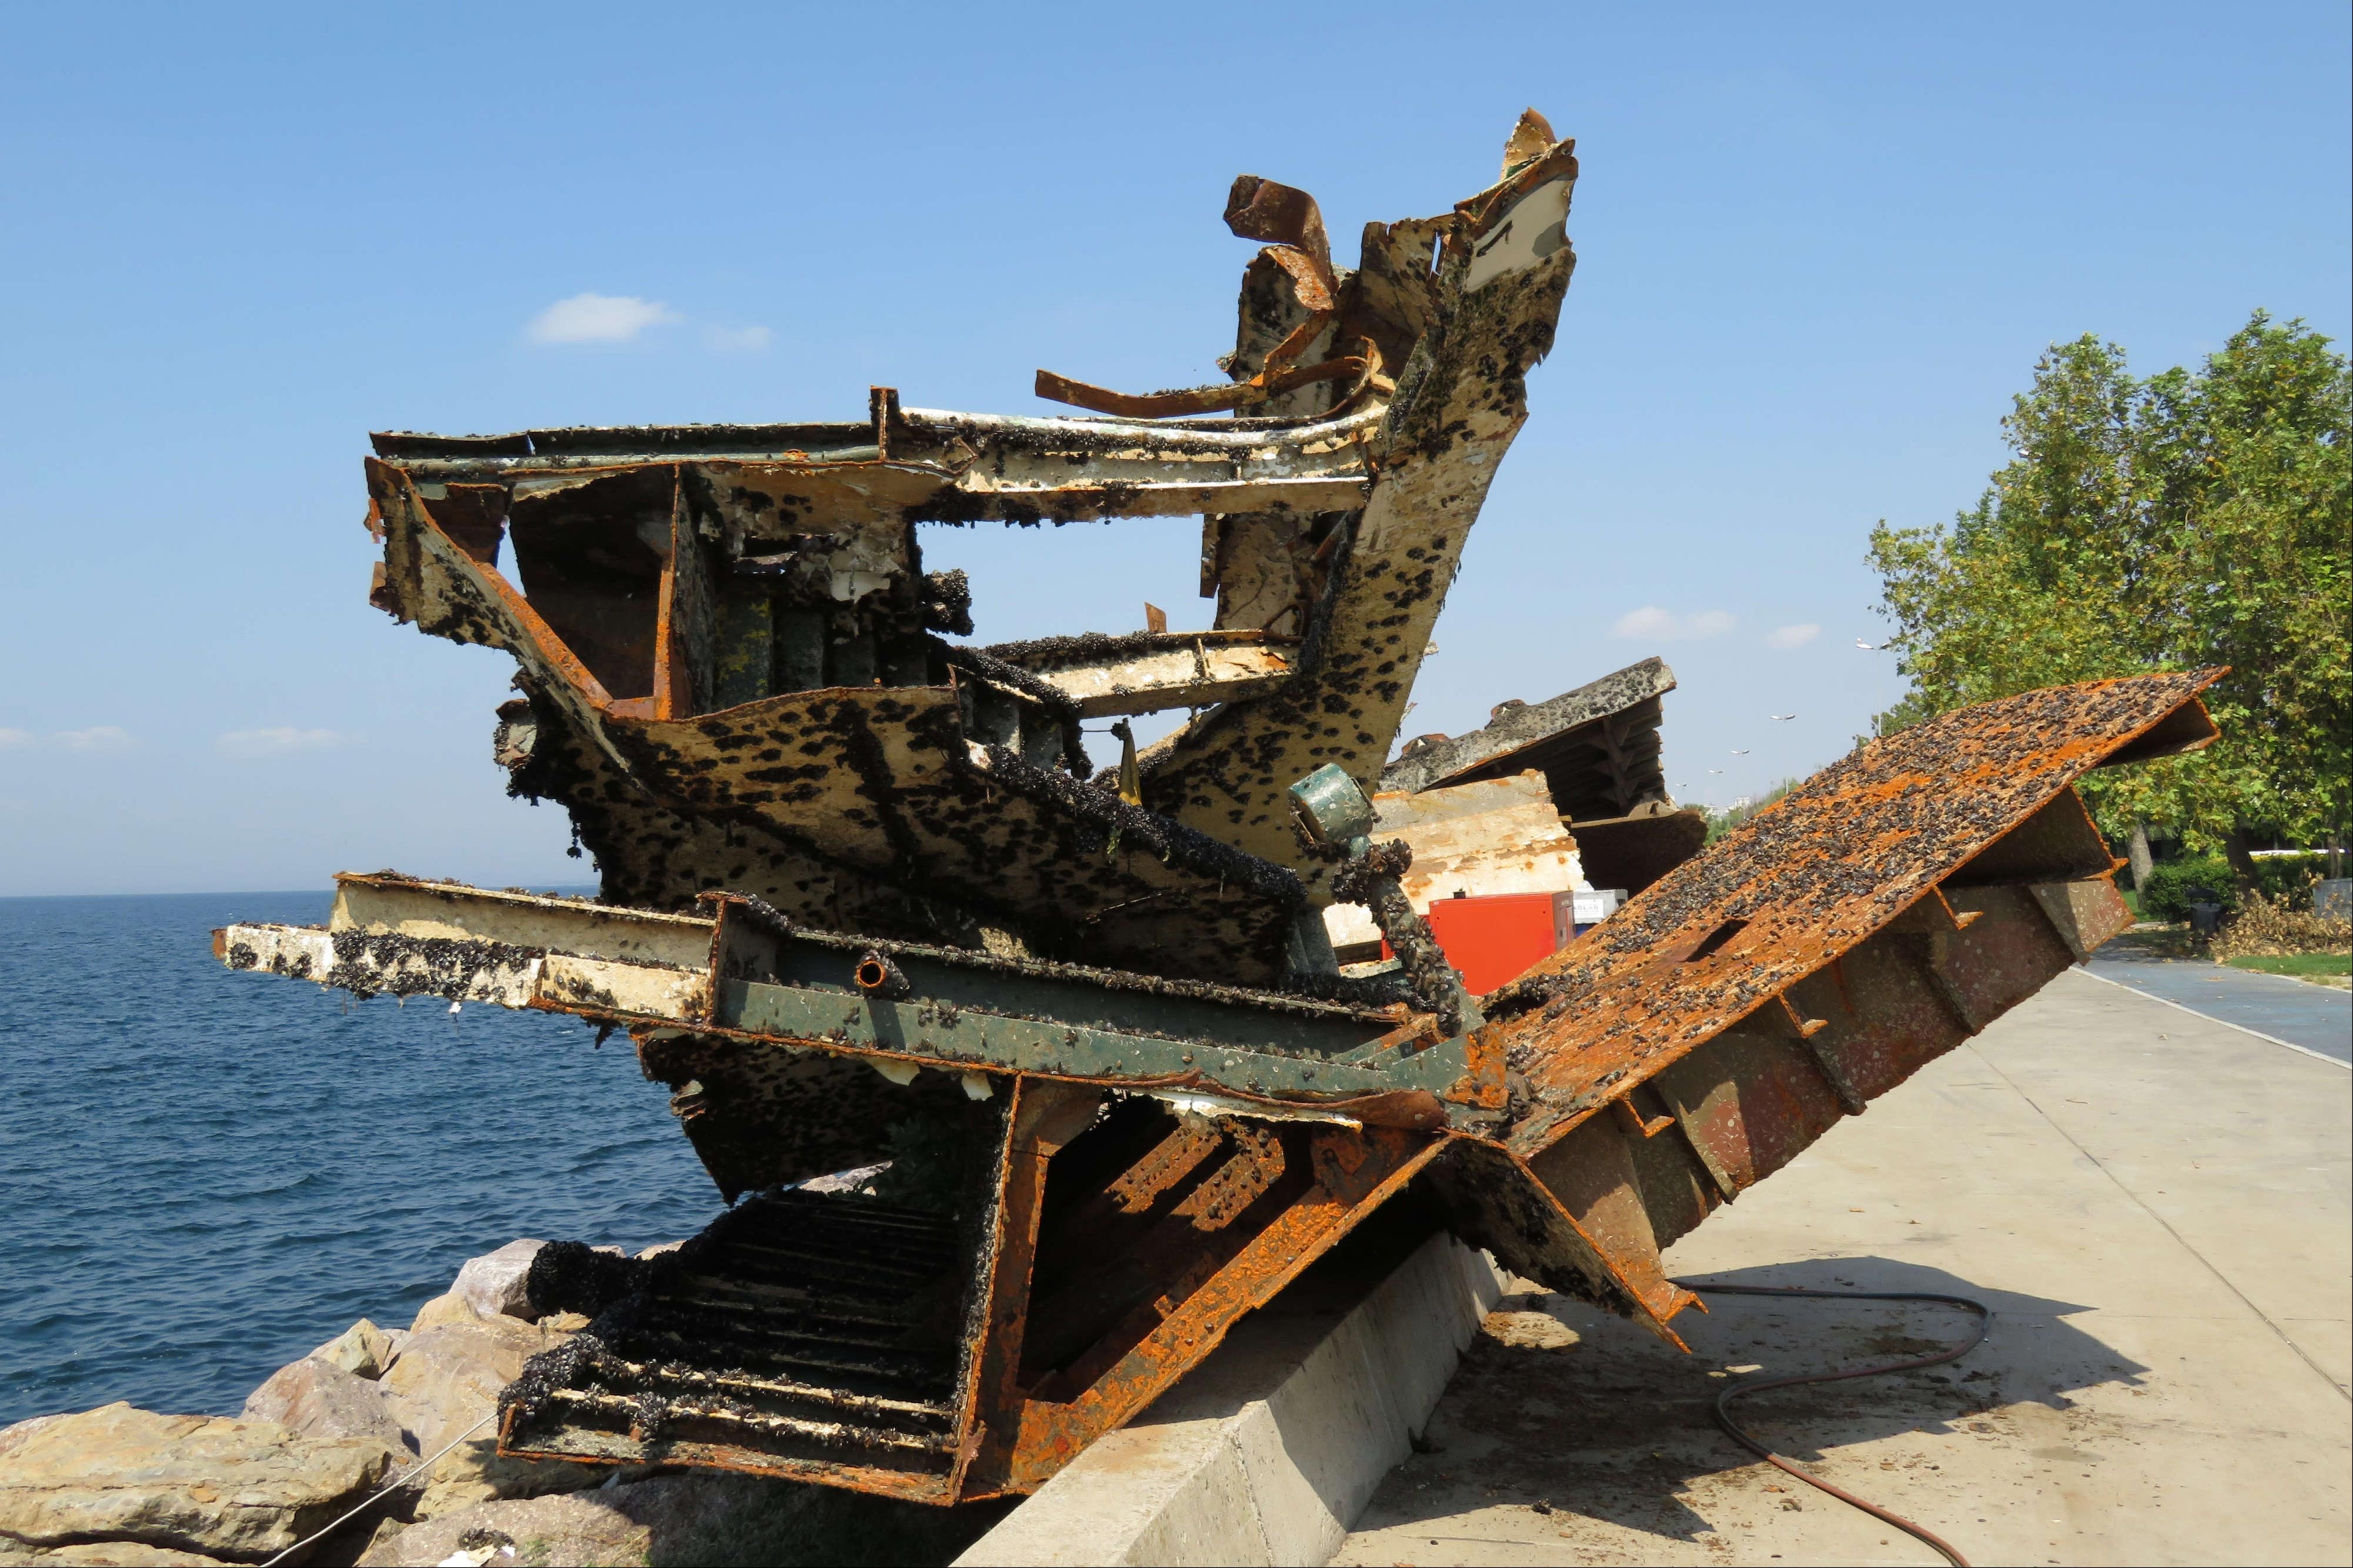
(2155, 944)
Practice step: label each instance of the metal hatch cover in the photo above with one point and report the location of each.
(1855, 847)
(1873, 919)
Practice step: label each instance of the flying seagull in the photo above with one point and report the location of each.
(1716, 769)
(1739, 753)
(1785, 718)
(1868, 647)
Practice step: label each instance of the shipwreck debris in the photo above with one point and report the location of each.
(1597, 749)
(865, 900)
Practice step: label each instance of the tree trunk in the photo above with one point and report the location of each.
(2136, 852)
(2242, 864)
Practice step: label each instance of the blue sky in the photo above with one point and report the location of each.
(1820, 248)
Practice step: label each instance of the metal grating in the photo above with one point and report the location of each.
(819, 1328)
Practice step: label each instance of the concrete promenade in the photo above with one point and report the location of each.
(2155, 1205)
(2318, 1017)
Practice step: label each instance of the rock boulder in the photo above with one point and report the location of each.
(627, 1524)
(476, 1472)
(448, 1378)
(319, 1399)
(496, 1284)
(198, 1484)
(103, 1555)
(362, 1349)
(702, 1516)
(446, 1308)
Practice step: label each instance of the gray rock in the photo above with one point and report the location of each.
(625, 1523)
(102, 1554)
(446, 1308)
(321, 1400)
(196, 1484)
(703, 1515)
(476, 1472)
(362, 1349)
(494, 1283)
(578, 1527)
(448, 1378)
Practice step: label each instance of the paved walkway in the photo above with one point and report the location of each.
(2318, 1017)
(2156, 1207)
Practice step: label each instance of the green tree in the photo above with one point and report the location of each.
(2192, 519)
(1720, 822)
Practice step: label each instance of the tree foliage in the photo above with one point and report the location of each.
(1720, 822)
(2188, 519)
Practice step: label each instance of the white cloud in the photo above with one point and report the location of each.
(97, 738)
(736, 340)
(1652, 624)
(1792, 636)
(598, 319)
(281, 741)
(9, 738)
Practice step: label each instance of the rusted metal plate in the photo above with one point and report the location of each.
(800, 1336)
(1120, 1241)
(889, 781)
(1875, 918)
(741, 1004)
(836, 1338)
(1596, 746)
(1474, 840)
(1633, 851)
(1326, 1183)
(1860, 845)
(725, 633)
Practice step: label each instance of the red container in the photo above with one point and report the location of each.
(1496, 939)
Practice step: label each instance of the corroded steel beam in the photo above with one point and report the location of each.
(1486, 316)
(935, 465)
(1577, 732)
(1148, 672)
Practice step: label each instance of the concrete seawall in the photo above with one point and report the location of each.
(1267, 1452)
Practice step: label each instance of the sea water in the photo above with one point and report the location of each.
(204, 1174)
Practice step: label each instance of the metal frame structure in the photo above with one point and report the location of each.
(865, 899)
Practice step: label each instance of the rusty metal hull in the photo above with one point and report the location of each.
(1142, 1182)
(866, 903)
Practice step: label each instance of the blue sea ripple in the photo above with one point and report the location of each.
(207, 1173)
